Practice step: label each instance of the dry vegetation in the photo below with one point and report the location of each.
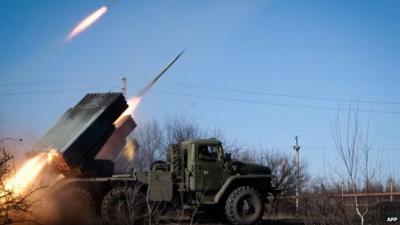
(322, 200)
(14, 208)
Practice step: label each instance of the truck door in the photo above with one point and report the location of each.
(208, 169)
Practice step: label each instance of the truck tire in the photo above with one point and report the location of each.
(244, 206)
(74, 206)
(124, 205)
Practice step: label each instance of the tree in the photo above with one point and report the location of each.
(151, 142)
(321, 205)
(14, 207)
(283, 169)
(354, 144)
(180, 128)
(230, 144)
(153, 139)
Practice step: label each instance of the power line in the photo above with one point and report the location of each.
(314, 147)
(310, 132)
(333, 148)
(209, 97)
(54, 91)
(305, 147)
(273, 103)
(242, 91)
(53, 81)
(284, 95)
(222, 99)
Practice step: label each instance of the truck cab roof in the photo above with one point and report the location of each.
(202, 141)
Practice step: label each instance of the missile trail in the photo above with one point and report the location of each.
(87, 22)
(152, 82)
(134, 101)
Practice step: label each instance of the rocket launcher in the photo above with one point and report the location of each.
(83, 130)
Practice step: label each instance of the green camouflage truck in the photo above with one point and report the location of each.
(197, 173)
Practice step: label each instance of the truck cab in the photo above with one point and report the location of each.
(202, 166)
(205, 165)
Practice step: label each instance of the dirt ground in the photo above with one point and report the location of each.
(216, 222)
(206, 219)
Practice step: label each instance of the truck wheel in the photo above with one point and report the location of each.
(75, 206)
(124, 205)
(244, 206)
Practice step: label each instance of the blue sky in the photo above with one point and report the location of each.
(334, 50)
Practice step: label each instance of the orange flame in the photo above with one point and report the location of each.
(87, 22)
(132, 105)
(26, 175)
(130, 149)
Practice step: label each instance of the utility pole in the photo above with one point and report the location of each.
(297, 149)
(342, 188)
(391, 188)
(123, 86)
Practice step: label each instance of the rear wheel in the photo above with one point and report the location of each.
(244, 206)
(124, 205)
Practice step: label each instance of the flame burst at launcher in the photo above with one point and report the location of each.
(29, 172)
(133, 103)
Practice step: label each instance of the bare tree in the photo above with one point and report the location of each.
(230, 144)
(179, 128)
(354, 144)
(14, 207)
(321, 205)
(283, 169)
(246, 155)
(150, 139)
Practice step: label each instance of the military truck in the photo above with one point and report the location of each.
(196, 172)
